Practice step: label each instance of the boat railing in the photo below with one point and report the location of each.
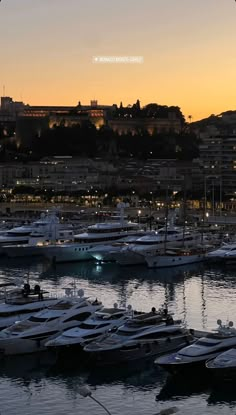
(149, 320)
(165, 337)
(19, 297)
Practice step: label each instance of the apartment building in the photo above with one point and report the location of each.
(218, 161)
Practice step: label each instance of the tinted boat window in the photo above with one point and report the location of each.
(79, 317)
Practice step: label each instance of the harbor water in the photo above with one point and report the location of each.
(198, 294)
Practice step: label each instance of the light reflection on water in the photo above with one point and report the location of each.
(196, 294)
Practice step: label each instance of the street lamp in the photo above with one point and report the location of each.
(86, 392)
(213, 178)
(213, 197)
(139, 213)
(150, 213)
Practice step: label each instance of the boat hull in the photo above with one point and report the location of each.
(163, 261)
(14, 347)
(103, 255)
(226, 374)
(129, 258)
(140, 350)
(22, 251)
(186, 366)
(70, 253)
(67, 352)
(223, 367)
(229, 260)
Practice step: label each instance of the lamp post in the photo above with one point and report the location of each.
(213, 197)
(139, 213)
(220, 195)
(205, 196)
(150, 214)
(86, 392)
(212, 178)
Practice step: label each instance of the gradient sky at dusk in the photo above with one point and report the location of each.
(189, 50)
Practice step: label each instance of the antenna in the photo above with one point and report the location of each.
(4, 90)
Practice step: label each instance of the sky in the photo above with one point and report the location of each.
(188, 50)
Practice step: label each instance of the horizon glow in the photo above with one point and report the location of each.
(187, 47)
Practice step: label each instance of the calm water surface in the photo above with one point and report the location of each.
(198, 295)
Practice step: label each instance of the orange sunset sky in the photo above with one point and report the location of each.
(188, 48)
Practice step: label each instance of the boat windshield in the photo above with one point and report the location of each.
(206, 343)
(61, 305)
(41, 319)
(16, 234)
(128, 333)
(148, 242)
(163, 232)
(92, 326)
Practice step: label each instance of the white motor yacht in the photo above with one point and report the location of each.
(146, 335)
(223, 366)
(195, 355)
(30, 335)
(96, 235)
(103, 321)
(230, 257)
(18, 235)
(222, 252)
(21, 303)
(105, 253)
(43, 232)
(175, 257)
(152, 242)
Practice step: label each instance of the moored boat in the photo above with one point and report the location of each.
(21, 303)
(195, 355)
(222, 252)
(44, 228)
(144, 336)
(101, 322)
(153, 242)
(37, 244)
(96, 235)
(30, 335)
(107, 252)
(223, 366)
(174, 257)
